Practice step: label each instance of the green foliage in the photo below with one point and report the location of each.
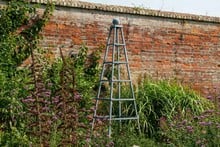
(56, 135)
(84, 67)
(160, 101)
(123, 136)
(15, 137)
(14, 16)
(19, 30)
(87, 70)
(127, 137)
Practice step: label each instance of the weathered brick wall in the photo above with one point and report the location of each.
(161, 44)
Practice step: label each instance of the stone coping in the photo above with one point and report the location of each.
(130, 10)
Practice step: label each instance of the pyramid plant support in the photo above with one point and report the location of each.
(114, 75)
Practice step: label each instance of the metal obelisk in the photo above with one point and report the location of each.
(114, 77)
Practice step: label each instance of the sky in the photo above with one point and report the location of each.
(199, 7)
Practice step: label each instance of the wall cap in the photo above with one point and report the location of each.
(130, 10)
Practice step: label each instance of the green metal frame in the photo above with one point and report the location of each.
(116, 42)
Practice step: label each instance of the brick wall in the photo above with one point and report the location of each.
(160, 44)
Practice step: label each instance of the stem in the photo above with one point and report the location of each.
(36, 91)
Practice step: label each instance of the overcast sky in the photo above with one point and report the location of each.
(200, 7)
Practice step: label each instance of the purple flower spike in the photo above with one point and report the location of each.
(189, 129)
(184, 122)
(202, 123)
(205, 123)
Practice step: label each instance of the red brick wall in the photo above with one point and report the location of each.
(160, 44)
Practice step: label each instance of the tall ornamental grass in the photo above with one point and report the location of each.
(159, 101)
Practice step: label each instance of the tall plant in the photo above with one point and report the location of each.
(19, 31)
(160, 101)
(59, 108)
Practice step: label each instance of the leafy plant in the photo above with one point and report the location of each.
(59, 106)
(87, 70)
(123, 136)
(19, 31)
(128, 137)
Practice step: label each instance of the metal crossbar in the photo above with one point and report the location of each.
(115, 57)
